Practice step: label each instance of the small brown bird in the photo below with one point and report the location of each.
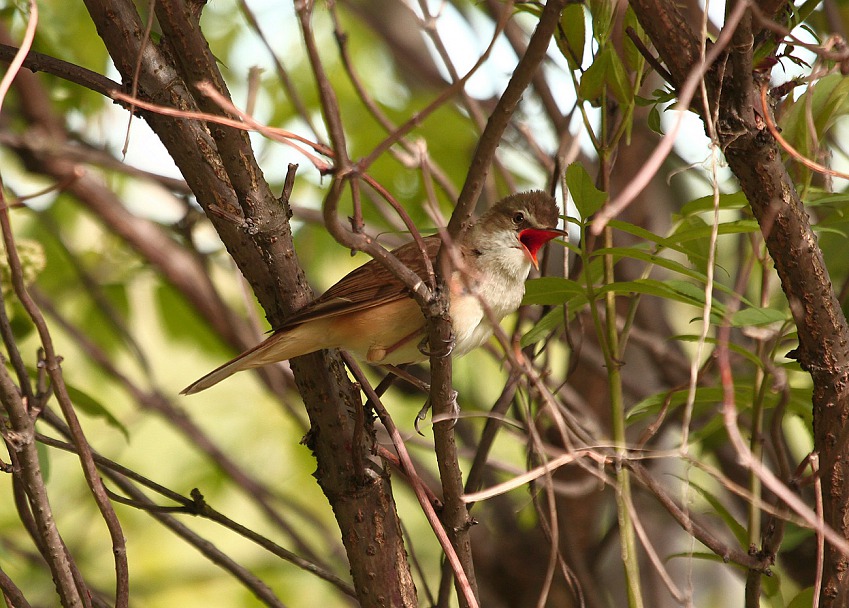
(371, 314)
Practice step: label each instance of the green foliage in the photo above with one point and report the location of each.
(606, 74)
(660, 98)
(721, 510)
(571, 38)
(613, 343)
(33, 261)
(91, 405)
(803, 599)
(588, 199)
(808, 120)
(182, 324)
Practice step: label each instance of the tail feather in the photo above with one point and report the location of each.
(215, 376)
(278, 347)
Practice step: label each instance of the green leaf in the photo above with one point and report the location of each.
(91, 406)
(606, 72)
(677, 290)
(653, 121)
(719, 509)
(825, 102)
(816, 198)
(771, 590)
(591, 86)
(644, 256)
(633, 57)
(572, 36)
(182, 323)
(693, 236)
(698, 232)
(528, 7)
(550, 291)
(602, 19)
(757, 316)
(677, 239)
(588, 199)
(736, 200)
(828, 230)
(543, 327)
(705, 395)
(618, 80)
(663, 95)
(669, 264)
(735, 348)
(803, 599)
(100, 327)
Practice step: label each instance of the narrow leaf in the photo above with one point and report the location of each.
(757, 316)
(550, 291)
(94, 407)
(543, 327)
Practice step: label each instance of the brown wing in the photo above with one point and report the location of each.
(369, 285)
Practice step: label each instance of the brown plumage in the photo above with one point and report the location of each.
(370, 313)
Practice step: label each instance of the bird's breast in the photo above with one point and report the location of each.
(469, 302)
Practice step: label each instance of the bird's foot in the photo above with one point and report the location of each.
(454, 406)
(452, 416)
(445, 349)
(421, 416)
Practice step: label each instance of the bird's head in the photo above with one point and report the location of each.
(524, 221)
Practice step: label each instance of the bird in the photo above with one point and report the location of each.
(372, 314)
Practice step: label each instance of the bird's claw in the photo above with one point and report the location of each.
(455, 407)
(453, 416)
(446, 350)
(421, 416)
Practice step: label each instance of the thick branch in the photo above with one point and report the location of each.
(43, 150)
(823, 333)
(38, 62)
(223, 174)
(20, 439)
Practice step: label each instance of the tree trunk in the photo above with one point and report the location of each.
(220, 167)
(733, 88)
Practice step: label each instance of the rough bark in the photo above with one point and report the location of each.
(755, 159)
(220, 167)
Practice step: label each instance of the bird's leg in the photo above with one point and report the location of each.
(425, 388)
(446, 350)
(421, 415)
(454, 416)
(403, 374)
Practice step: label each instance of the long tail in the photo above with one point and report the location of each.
(278, 347)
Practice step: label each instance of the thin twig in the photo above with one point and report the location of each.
(198, 506)
(770, 124)
(729, 414)
(54, 370)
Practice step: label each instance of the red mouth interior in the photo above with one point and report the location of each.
(533, 239)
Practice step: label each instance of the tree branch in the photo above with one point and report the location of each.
(756, 161)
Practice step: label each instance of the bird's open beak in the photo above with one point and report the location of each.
(533, 239)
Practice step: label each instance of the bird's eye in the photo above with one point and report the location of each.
(519, 218)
